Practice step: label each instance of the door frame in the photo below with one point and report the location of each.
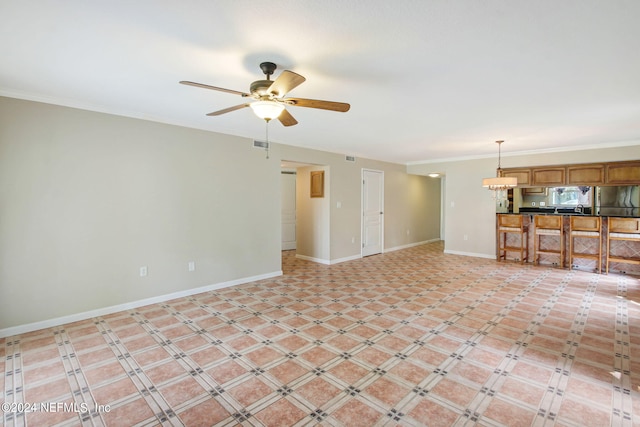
(294, 173)
(362, 209)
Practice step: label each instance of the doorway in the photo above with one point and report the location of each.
(372, 212)
(288, 212)
(304, 218)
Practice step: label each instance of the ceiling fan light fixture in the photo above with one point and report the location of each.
(267, 110)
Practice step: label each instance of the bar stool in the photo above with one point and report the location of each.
(623, 229)
(512, 224)
(548, 225)
(585, 227)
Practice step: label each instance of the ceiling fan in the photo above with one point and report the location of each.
(269, 96)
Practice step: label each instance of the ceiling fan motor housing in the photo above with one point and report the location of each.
(259, 87)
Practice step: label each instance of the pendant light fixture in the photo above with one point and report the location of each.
(500, 183)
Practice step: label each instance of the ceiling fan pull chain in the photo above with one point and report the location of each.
(267, 131)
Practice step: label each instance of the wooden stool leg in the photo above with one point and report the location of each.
(561, 249)
(600, 253)
(570, 251)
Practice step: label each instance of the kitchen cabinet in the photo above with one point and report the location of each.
(592, 174)
(585, 174)
(627, 173)
(534, 191)
(548, 176)
(523, 175)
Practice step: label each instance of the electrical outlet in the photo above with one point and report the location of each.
(466, 237)
(192, 266)
(143, 271)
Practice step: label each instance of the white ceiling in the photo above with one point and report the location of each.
(426, 79)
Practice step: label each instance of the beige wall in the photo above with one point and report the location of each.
(86, 199)
(312, 216)
(468, 207)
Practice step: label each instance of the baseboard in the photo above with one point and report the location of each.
(354, 257)
(411, 245)
(312, 259)
(492, 256)
(29, 327)
(345, 259)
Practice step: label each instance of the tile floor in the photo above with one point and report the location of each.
(408, 338)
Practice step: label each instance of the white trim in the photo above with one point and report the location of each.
(411, 245)
(29, 327)
(443, 194)
(345, 259)
(318, 260)
(472, 254)
(328, 261)
(529, 152)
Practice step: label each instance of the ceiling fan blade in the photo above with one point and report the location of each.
(316, 103)
(228, 110)
(286, 81)
(220, 89)
(287, 119)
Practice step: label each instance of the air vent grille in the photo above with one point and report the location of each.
(260, 144)
(350, 158)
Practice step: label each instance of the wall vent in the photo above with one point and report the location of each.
(350, 158)
(260, 144)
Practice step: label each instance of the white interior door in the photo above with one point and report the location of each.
(372, 212)
(288, 180)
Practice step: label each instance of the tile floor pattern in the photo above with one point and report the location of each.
(407, 338)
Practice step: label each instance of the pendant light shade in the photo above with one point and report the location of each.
(499, 183)
(266, 110)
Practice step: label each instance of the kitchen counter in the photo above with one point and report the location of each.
(604, 212)
(617, 248)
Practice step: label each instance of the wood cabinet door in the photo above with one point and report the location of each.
(623, 173)
(523, 175)
(535, 191)
(548, 176)
(585, 174)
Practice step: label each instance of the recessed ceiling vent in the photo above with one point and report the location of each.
(260, 144)
(350, 158)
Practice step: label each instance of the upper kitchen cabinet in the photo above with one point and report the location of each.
(623, 173)
(523, 175)
(613, 173)
(585, 174)
(548, 176)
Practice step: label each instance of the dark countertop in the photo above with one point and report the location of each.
(554, 210)
(621, 212)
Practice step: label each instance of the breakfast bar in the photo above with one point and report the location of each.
(573, 240)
